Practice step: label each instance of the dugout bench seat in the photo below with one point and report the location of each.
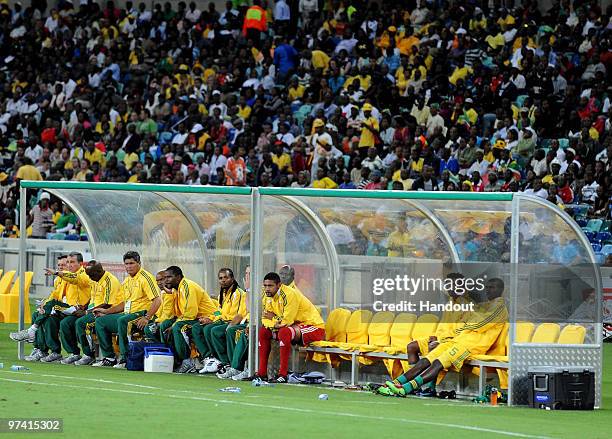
(360, 337)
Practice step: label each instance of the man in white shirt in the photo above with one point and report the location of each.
(434, 120)
(537, 189)
(218, 160)
(282, 15)
(480, 165)
(372, 161)
(34, 151)
(589, 190)
(193, 13)
(518, 79)
(322, 144)
(216, 99)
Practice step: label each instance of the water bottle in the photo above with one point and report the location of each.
(230, 390)
(258, 382)
(1, 365)
(17, 368)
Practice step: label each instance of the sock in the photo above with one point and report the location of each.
(284, 339)
(413, 384)
(401, 380)
(265, 335)
(430, 385)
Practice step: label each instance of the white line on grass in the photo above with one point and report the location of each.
(291, 409)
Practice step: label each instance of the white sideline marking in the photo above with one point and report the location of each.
(285, 408)
(119, 383)
(463, 404)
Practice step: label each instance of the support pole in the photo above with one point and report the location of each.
(256, 275)
(23, 235)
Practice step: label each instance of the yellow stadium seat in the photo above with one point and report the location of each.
(401, 330)
(400, 336)
(335, 334)
(380, 326)
(9, 303)
(335, 326)
(28, 282)
(425, 326)
(546, 333)
(357, 327)
(572, 334)
(5, 282)
(500, 347)
(524, 331)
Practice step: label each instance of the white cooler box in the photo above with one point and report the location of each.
(157, 359)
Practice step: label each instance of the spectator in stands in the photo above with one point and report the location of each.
(41, 217)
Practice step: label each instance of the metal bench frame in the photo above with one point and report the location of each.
(482, 365)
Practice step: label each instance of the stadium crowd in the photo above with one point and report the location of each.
(411, 95)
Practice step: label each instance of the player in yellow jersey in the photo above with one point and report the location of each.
(445, 331)
(210, 338)
(73, 296)
(141, 301)
(106, 292)
(474, 337)
(35, 333)
(190, 303)
(289, 317)
(157, 331)
(233, 312)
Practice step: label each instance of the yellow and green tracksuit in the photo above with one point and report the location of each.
(233, 303)
(139, 291)
(164, 318)
(210, 339)
(75, 291)
(191, 302)
(474, 337)
(449, 321)
(55, 299)
(106, 291)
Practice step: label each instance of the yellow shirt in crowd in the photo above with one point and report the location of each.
(367, 139)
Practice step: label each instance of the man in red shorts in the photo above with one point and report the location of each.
(289, 317)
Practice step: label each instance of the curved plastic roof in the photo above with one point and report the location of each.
(207, 227)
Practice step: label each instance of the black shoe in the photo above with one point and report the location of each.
(428, 392)
(255, 377)
(280, 379)
(447, 395)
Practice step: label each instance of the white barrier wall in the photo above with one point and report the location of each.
(42, 253)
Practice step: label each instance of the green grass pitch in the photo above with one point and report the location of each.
(109, 403)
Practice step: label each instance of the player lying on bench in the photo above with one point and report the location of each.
(474, 337)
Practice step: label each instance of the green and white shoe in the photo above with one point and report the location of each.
(385, 391)
(398, 391)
